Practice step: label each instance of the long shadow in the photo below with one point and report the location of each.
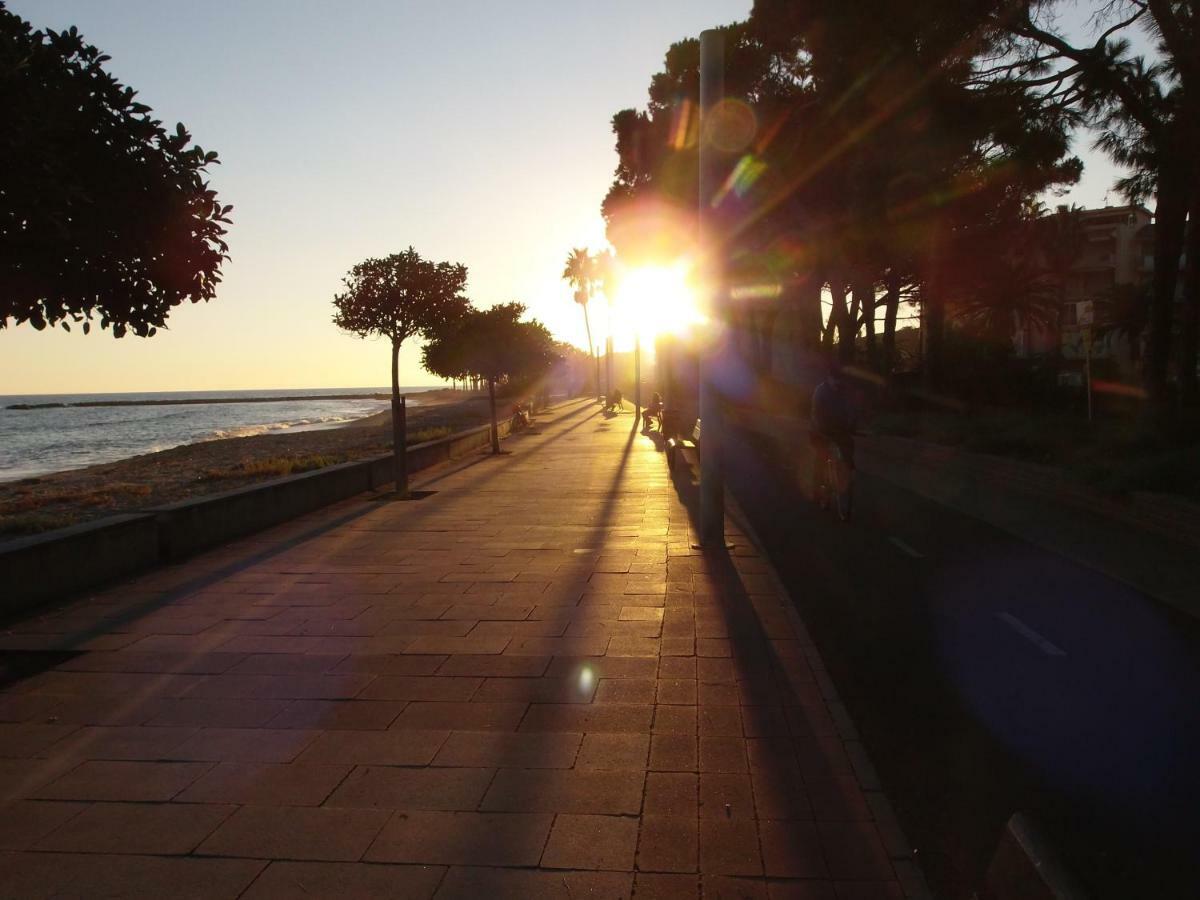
(800, 765)
(18, 665)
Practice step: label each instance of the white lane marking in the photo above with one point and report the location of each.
(1030, 635)
(906, 548)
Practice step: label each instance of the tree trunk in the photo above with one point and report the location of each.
(1190, 327)
(933, 324)
(1169, 223)
(891, 304)
(495, 425)
(839, 317)
(587, 324)
(808, 310)
(399, 437)
(864, 299)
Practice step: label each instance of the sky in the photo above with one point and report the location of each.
(476, 131)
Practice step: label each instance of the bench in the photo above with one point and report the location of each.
(676, 445)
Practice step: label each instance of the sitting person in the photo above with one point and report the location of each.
(654, 411)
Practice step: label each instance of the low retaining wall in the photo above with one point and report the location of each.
(44, 567)
(54, 565)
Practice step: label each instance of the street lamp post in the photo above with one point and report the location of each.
(712, 487)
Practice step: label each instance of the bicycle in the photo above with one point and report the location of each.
(836, 489)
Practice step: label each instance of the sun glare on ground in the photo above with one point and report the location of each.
(653, 300)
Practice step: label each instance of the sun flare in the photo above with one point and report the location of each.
(653, 300)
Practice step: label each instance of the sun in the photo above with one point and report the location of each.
(653, 300)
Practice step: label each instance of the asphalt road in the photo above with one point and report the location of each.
(989, 676)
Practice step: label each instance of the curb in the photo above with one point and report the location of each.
(899, 849)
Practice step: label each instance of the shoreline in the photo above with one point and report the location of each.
(55, 500)
(202, 401)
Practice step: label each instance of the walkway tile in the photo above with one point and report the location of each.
(306, 880)
(273, 832)
(462, 838)
(528, 685)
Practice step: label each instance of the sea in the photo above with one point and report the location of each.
(57, 438)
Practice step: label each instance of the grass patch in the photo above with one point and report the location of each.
(272, 467)
(34, 523)
(421, 435)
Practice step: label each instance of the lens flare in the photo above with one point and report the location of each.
(654, 300)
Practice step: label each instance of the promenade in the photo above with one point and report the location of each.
(524, 684)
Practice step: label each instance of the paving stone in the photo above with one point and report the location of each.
(411, 687)
(626, 690)
(671, 794)
(853, 850)
(868, 890)
(613, 751)
(460, 716)
(807, 889)
(536, 690)
(265, 784)
(159, 829)
(673, 753)
(122, 742)
(287, 664)
(791, 850)
(495, 666)
(390, 664)
(244, 744)
(617, 717)
(723, 754)
(283, 687)
(326, 715)
(726, 796)
(569, 791)
(462, 838)
(729, 847)
(20, 740)
(655, 886)
(676, 691)
(674, 719)
(667, 844)
(389, 787)
(296, 832)
(222, 712)
(284, 880)
(552, 750)
(603, 667)
(591, 842)
(471, 883)
(25, 822)
(125, 781)
(76, 876)
(381, 748)
(677, 667)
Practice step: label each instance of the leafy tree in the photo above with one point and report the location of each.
(399, 297)
(105, 213)
(1149, 117)
(494, 345)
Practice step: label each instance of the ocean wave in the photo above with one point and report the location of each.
(311, 422)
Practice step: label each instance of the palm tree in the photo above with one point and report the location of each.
(580, 273)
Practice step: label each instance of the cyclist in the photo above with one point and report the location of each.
(833, 420)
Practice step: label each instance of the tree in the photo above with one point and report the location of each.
(105, 213)
(1149, 115)
(399, 297)
(494, 345)
(579, 273)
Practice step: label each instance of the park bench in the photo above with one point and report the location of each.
(676, 445)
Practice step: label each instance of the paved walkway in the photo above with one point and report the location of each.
(527, 684)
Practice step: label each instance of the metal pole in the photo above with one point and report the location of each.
(637, 379)
(712, 487)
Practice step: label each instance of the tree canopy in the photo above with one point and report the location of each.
(492, 344)
(103, 212)
(401, 296)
